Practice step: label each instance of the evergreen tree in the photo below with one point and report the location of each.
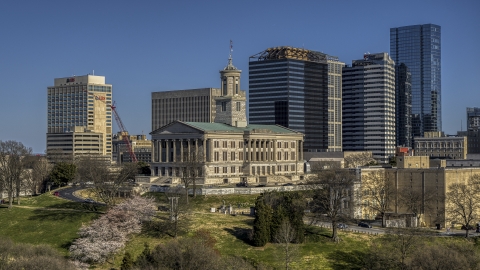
(261, 224)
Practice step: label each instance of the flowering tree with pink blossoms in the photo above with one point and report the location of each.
(108, 234)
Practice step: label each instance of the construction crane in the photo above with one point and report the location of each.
(122, 128)
(124, 133)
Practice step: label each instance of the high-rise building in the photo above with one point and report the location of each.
(473, 118)
(299, 89)
(80, 116)
(369, 106)
(419, 48)
(403, 106)
(334, 104)
(194, 105)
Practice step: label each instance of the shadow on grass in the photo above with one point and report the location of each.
(315, 234)
(63, 215)
(346, 260)
(241, 234)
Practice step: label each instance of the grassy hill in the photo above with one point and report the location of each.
(44, 219)
(54, 221)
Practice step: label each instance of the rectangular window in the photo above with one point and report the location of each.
(224, 156)
(225, 144)
(217, 144)
(279, 145)
(286, 168)
(217, 156)
(224, 106)
(225, 169)
(238, 105)
(292, 168)
(292, 144)
(279, 168)
(232, 169)
(293, 155)
(217, 170)
(232, 156)
(240, 156)
(286, 145)
(279, 156)
(240, 144)
(232, 144)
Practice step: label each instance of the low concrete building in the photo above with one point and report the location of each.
(437, 145)
(76, 142)
(141, 147)
(429, 183)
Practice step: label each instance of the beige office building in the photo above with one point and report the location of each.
(437, 145)
(195, 105)
(80, 116)
(334, 104)
(420, 176)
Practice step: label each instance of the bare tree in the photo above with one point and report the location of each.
(353, 160)
(416, 201)
(107, 180)
(178, 210)
(285, 235)
(377, 193)
(463, 202)
(37, 172)
(190, 165)
(332, 196)
(12, 165)
(395, 249)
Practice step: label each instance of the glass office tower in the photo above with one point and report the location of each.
(289, 87)
(418, 47)
(403, 106)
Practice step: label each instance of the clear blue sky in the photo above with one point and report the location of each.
(146, 46)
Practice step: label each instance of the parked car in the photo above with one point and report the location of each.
(470, 227)
(89, 200)
(342, 226)
(364, 224)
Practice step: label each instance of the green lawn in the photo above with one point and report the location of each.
(232, 236)
(54, 221)
(44, 219)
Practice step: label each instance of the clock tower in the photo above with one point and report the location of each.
(231, 104)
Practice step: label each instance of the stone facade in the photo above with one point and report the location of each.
(437, 145)
(431, 183)
(227, 154)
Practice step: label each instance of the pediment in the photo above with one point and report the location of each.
(176, 127)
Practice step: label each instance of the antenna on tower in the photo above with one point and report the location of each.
(231, 49)
(461, 124)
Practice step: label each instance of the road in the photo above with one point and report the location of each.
(67, 193)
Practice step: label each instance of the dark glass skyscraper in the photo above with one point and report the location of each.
(418, 47)
(289, 87)
(403, 106)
